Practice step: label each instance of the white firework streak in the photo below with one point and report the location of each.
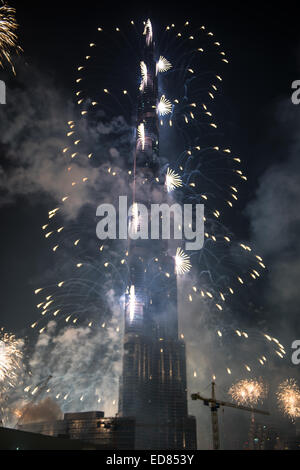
(173, 180)
(141, 135)
(144, 73)
(164, 106)
(163, 65)
(182, 262)
(132, 302)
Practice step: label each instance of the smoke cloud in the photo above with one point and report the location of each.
(33, 129)
(45, 410)
(84, 362)
(275, 222)
(275, 230)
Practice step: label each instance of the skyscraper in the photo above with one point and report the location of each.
(153, 383)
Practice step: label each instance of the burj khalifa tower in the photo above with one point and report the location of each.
(153, 386)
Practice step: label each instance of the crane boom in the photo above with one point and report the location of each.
(214, 405)
(196, 396)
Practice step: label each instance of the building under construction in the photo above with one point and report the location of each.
(153, 387)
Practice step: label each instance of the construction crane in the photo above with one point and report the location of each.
(40, 387)
(214, 405)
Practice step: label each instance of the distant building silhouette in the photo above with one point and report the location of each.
(90, 427)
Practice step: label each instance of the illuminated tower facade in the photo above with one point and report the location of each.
(153, 385)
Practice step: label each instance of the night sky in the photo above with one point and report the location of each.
(262, 44)
(261, 40)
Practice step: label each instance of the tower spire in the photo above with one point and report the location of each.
(153, 382)
(147, 144)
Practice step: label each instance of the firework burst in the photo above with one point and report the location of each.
(8, 37)
(10, 357)
(288, 396)
(248, 392)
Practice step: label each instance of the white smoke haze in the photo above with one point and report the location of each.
(199, 340)
(33, 128)
(275, 222)
(45, 410)
(209, 355)
(84, 362)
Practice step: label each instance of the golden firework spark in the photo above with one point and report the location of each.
(173, 180)
(164, 106)
(182, 262)
(8, 37)
(163, 65)
(248, 392)
(288, 396)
